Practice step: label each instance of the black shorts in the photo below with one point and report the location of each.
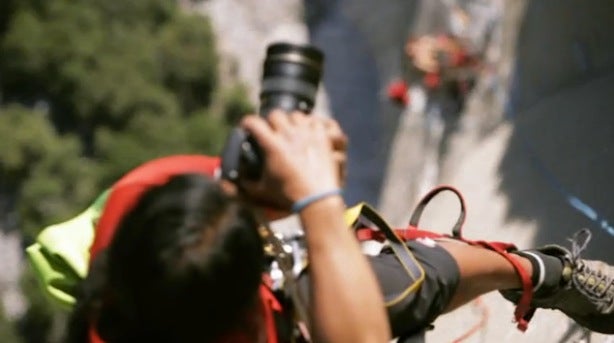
(423, 306)
(420, 308)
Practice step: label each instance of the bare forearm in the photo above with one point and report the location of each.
(344, 286)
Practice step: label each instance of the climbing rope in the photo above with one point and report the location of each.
(572, 200)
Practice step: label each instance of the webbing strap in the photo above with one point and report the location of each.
(286, 263)
(523, 311)
(369, 218)
(269, 304)
(417, 213)
(409, 234)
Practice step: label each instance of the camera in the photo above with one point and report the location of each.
(291, 74)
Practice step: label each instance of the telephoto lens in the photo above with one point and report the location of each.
(290, 77)
(291, 74)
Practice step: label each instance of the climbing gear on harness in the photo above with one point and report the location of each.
(363, 218)
(586, 291)
(286, 263)
(523, 312)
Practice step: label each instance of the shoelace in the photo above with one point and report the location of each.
(597, 284)
(576, 246)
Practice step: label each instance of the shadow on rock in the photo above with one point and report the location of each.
(559, 166)
(562, 152)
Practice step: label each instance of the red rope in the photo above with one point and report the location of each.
(478, 303)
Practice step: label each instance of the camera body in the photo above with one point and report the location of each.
(291, 74)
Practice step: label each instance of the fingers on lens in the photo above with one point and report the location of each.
(279, 121)
(261, 131)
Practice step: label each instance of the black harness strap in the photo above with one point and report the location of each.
(368, 217)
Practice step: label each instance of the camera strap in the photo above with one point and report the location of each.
(363, 216)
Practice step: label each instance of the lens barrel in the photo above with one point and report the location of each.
(290, 77)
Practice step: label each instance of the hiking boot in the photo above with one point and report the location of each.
(586, 289)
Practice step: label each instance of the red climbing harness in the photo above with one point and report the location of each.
(523, 311)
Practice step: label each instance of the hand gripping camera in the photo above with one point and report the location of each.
(290, 77)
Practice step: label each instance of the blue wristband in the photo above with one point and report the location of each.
(308, 200)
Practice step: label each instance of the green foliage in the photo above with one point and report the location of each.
(27, 135)
(92, 67)
(43, 168)
(237, 104)
(88, 90)
(8, 333)
(43, 322)
(206, 136)
(146, 137)
(189, 61)
(150, 12)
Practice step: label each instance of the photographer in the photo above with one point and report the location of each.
(175, 251)
(176, 257)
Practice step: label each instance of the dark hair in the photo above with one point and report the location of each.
(184, 265)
